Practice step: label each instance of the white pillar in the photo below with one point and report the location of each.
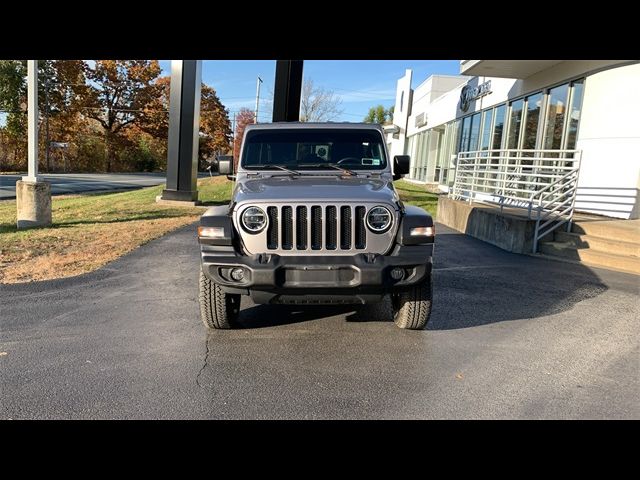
(32, 120)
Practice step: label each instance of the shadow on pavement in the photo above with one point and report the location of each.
(474, 284)
(262, 316)
(477, 284)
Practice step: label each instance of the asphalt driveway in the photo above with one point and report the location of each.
(511, 336)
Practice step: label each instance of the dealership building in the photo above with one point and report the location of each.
(541, 108)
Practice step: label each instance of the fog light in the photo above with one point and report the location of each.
(237, 274)
(397, 273)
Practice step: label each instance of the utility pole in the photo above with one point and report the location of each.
(233, 151)
(259, 81)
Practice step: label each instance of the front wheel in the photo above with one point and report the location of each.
(218, 309)
(411, 309)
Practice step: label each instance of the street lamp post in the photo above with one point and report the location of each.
(46, 121)
(259, 81)
(33, 196)
(233, 147)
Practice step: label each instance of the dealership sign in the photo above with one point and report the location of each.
(468, 94)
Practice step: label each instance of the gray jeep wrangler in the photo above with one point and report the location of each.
(315, 219)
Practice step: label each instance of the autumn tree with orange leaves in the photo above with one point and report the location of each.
(61, 91)
(118, 94)
(215, 127)
(244, 118)
(110, 115)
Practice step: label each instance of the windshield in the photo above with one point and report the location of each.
(314, 149)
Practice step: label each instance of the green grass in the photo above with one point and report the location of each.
(92, 208)
(91, 230)
(140, 205)
(415, 194)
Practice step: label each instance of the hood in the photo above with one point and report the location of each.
(319, 189)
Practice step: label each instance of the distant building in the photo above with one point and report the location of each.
(590, 106)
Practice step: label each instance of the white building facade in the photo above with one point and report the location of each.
(590, 106)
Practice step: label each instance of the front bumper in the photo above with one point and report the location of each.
(303, 275)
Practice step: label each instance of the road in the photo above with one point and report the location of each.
(510, 336)
(85, 182)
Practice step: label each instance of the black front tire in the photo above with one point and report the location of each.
(218, 309)
(412, 309)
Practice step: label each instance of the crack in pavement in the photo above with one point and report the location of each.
(204, 365)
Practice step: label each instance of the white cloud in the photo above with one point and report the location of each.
(237, 104)
(367, 95)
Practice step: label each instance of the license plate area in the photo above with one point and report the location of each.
(320, 276)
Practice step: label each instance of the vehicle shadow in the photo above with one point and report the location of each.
(262, 316)
(474, 284)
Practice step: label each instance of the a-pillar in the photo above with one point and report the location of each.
(184, 127)
(33, 196)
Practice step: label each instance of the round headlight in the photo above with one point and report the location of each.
(379, 219)
(254, 219)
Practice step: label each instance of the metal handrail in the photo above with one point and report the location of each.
(543, 180)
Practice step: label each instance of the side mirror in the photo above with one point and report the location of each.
(400, 166)
(224, 164)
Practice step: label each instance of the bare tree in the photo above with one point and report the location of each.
(318, 104)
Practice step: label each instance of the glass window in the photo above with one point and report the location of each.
(574, 117)
(449, 166)
(556, 114)
(485, 138)
(410, 141)
(421, 154)
(532, 119)
(499, 127)
(314, 149)
(464, 134)
(424, 138)
(514, 124)
(474, 134)
(418, 147)
(434, 141)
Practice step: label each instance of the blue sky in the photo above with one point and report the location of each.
(359, 83)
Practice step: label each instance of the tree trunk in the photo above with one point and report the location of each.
(109, 152)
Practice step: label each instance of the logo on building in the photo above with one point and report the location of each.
(468, 94)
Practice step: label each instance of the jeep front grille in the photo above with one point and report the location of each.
(287, 231)
(301, 228)
(316, 229)
(272, 232)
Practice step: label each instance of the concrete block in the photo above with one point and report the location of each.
(178, 203)
(513, 233)
(33, 201)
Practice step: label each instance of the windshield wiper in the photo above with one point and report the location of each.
(279, 167)
(330, 165)
(342, 169)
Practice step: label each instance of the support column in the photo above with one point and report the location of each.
(33, 196)
(287, 90)
(184, 127)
